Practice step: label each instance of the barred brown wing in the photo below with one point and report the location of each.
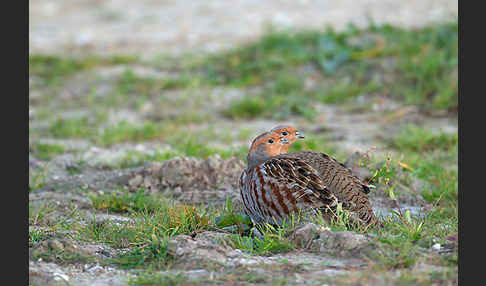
(280, 186)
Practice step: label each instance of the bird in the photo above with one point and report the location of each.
(340, 180)
(274, 187)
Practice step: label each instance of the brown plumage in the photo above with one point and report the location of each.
(273, 187)
(340, 180)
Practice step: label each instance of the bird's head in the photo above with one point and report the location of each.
(287, 132)
(264, 146)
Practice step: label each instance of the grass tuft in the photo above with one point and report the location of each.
(53, 70)
(155, 254)
(46, 151)
(420, 139)
(127, 202)
(36, 235)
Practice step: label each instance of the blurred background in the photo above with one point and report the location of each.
(121, 82)
(154, 27)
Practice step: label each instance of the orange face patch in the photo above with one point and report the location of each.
(289, 133)
(271, 143)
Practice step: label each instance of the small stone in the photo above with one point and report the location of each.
(452, 237)
(148, 182)
(55, 245)
(299, 279)
(343, 243)
(136, 181)
(60, 276)
(436, 246)
(185, 248)
(303, 235)
(95, 269)
(101, 219)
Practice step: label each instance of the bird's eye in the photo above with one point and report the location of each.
(285, 133)
(270, 141)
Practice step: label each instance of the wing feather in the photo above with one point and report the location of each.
(302, 180)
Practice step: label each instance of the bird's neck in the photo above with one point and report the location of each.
(254, 159)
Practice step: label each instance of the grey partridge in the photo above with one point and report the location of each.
(273, 187)
(349, 189)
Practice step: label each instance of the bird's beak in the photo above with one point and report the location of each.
(284, 141)
(299, 134)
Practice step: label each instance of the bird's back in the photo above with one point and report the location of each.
(340, 180)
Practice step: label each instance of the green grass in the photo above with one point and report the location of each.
(156, 219)
(414, 66)
(36, 235)
(40, 214)
(424, 73)
(428, 153)
(248, 107)
(63, 257)
(53, 70)
(124, 131)
(271, 239)
(154, 212)
(155, 254)
(89, 128)
(425, 155)
(194, 144)
(131, 84)
(272, 242)
(126, 202)
(74, 128)
(46, 151)
(270, 105)
(135, 158)
(344, 91)
(37, 179)
(431, 57)
(186, 148)
(194, 148)
(418, 139)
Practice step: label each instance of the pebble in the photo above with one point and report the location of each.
(95, 269)
(60, 276)
(55, 245)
